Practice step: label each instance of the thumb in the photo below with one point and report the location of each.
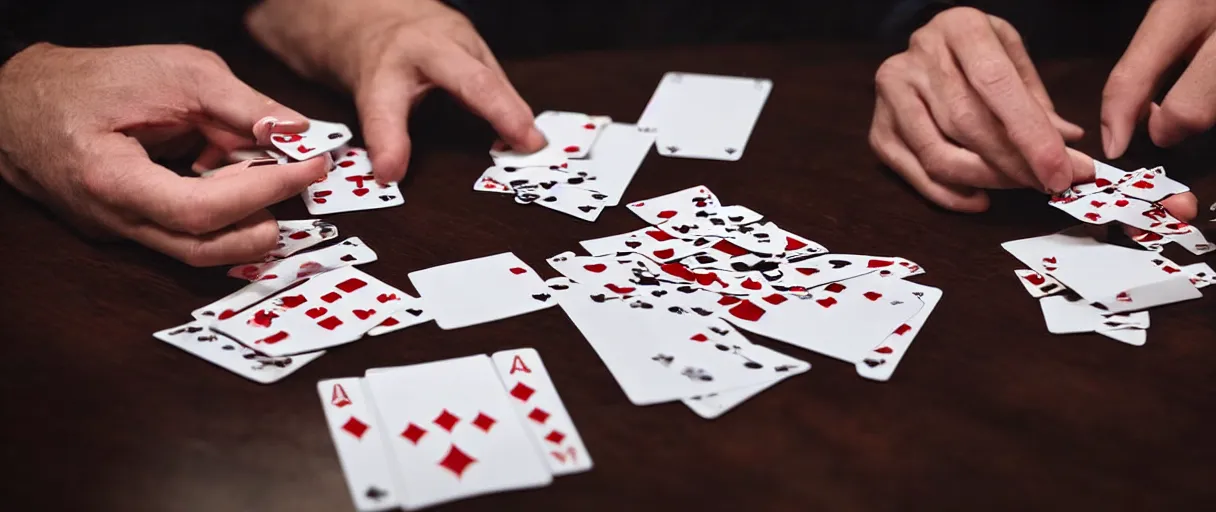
(384, 109)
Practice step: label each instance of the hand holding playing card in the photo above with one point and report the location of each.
(963, 110)
(390, 53)
(80, 127)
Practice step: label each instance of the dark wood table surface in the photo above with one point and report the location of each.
(987, 411)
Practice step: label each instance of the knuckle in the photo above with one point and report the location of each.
(891, 70)
(195, 254)
(482, 83)
(961, 17)
(964, 117)
(991, 73)
(194, 219)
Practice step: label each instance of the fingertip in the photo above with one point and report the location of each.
(532, 140)
(1164, 131)
(1184, 207)
(389, 158)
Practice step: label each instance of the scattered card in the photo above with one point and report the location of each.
(215, 348)
(535, 399)
(481, 290)
(353, 426)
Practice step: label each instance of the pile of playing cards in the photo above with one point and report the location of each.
(589, 160)
(661, 305)
(424, 434)
(1133, 199)
(1086, 285)
(295, 306)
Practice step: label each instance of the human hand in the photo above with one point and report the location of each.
(390, 53)
(963, 109)
(77, 126)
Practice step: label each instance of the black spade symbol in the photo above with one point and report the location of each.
(663, 359)
(677, 310)
(699, 242)
(686, 289)
(730, 151)
(548, 185)
(706, 259)
(375, 493)
(559, 287)
(717, 222)
(335, 136)
(599, 197)
(836, 264)
(586, 209)
(387, 198)
(510, 169)
(702, 214)
(574, 181)
(639, 304)
(736, 219)
(413, 311)
(672, 149)
(550, 199)
(683, 230)
(598, 298)
(659, 293)
(348, 257)
(541, 296)
(702, 311)
(875, 362)
(633, 245)
(719, 331)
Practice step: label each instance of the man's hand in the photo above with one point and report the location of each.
(389, 53)
(77, 125)
(963, 109)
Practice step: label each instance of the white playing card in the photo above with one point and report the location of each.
(318, 139)
(1201, 274)
(1132, 336)
(1106, 177)
(710, 116)
(682, 205)
(452, 433)
(1152, 185)
(1067, 314)
(551, 154)
(573, 132)
(268, 278)
(481, 290)
(350, 186)
(1119, 278)
(652, 242)
(714, 405)
(416, 313)
(581, 203)
(882, 361)
(297, 235)
(352, 423)
(215, 348)
(330, 309)
(1038, 285)
(538, 405)
(616, 157)
(658, 108)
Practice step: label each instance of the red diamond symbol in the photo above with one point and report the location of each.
(555, 437)
(413, 433)
(447, 420)
(538, 415)
(522, 392)
(484, 422)
(355, 427)
(456, 461)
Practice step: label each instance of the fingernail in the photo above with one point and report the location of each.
(1107, 145)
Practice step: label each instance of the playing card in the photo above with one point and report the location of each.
(297, 235)
(551, 154)
(268, 278)
(1038, 285)
(721, 222)
(1201, 274)
(573, 132)
(652, 242)
(882, 360)
(412, 315)
(575, 201)
(709, 116)
(518, 179)
(1152, 185)
(829, 268)
(226, 353)
(713, 405)
(683, 205)
(451, 432)
(657, 109)
(1134, 337)
(318, 139)
(481, 290)
(350, 186)
(1118, 278)
(352, 423)
(536, 401)
(768, 238)
(1069, 314)
(616, 157)
(330, 309)
(1105, 178)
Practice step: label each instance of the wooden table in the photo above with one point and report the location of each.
(988, 410)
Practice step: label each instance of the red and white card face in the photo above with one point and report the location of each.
(351, 418)
(320, 138)
(1069, 314)
(537, 403)
(551, 154)
(330, 309)
(881, 362)
(1118, 278)
(452, 433)
(1152, 185)
(415, 313)
(481, 290)
(269, 278)
(651, 242)
(215, 348)
(616, 157)
(1038, 285)
(1201, 274)
(350, 186)
(683, 205)
(297, 235)
(573, 132)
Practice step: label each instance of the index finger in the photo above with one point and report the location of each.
(995, 78)
(487, 93)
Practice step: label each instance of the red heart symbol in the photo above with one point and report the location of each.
(1035, 279)
(745, 310)
(872, 295)
(883, 350)
(1050, 260)
(834, 287)
(879, 263)
(362, 314)
(750, 284)
(827, 303)
(589, 126)
(304, 149)
(1123, 297)
(571, 149)
(299, 235)
(1097, 204)
(518, 270)
(263, 318)
(660, 235)
(316, 312)
(727, 300)
(346, 163)
(1050, 269)
(664, 254)
(1102, 182)
(667, 214)
(1121, 203)
(286, 138)
(389, 322)
(1143, 184)
(775, 299)
(619, 289)
(228, 313)
(596, 267)
(901, 330)
(361, 191)
(807, 271)
(292, 301)
(1169, 270)
(385, 297)
(698, 337)
(273, 338)
(1093, 217)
